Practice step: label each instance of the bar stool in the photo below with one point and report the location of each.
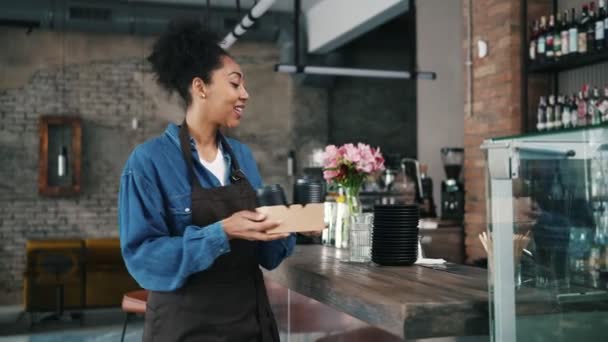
(54, 278)
(133, 303)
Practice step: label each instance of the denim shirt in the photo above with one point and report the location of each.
(159, 244)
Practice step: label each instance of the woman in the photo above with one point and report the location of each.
(188, 229)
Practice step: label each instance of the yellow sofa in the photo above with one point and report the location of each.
(106, 276)
(74, 274)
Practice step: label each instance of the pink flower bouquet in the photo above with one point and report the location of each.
(349, 165)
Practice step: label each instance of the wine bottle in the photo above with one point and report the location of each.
(599, 26)
(533, 38)
(606, 24)
(540, 114)
(559, 106)
(592, 106)
(541, 49)
(550, 113)
(564, 34)
(603, 106)
(581, 110)
(591, 28)
(557, 37)
(582, 31)
(550, 52)
(573, 111)
(62, 161)
(573, 33)
(566, 121)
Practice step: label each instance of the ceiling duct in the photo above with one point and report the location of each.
(247, 22)
(128, 17)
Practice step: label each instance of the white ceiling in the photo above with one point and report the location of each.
(279, 5)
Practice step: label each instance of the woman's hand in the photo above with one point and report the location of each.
(250, 225)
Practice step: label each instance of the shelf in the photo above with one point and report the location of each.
(569, 62)
(564, 135)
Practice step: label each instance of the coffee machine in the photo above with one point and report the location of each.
(452, 189)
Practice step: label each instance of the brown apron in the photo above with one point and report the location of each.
(226, 302)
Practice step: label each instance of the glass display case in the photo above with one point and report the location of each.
(547, 236)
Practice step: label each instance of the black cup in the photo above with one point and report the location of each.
(308, 190)
(271, 195)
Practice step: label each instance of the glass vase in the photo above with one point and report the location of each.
(360, 242)
(352, 207)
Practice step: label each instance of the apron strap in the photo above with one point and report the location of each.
(187, 153)
(236, 173)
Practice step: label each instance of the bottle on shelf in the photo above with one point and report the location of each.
(581, 109)
(603, 106)
(564, 34)
(533, 40)
(566, 121)
(573, 111)
(606, 24)
(557, 37)
(540, 116)
(558, 112)
(550, 114)
(587, 92)
(550, 39)
(588, 107)
(573, 33)
(599, 101)
(592, 107)
(591, 28)
(599, 26)
(541, 42)
(582, 30)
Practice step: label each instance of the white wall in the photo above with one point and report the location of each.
(440, 28)
(333, 23)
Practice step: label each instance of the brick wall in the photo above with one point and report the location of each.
(105, 96)
(496, 99)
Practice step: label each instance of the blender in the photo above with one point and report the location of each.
(452, 189)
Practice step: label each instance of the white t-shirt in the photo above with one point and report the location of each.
(218, 166)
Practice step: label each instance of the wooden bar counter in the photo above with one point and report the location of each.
(408, 301)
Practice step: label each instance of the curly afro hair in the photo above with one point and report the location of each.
(187, 49)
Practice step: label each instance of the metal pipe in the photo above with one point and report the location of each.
(296, 31)
(524, 66)
(246, 23)
(355, 72)
(469, 61)
(337, 71)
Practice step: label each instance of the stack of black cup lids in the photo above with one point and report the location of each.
(395, 234)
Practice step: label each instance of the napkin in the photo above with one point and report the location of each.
(429, 261)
